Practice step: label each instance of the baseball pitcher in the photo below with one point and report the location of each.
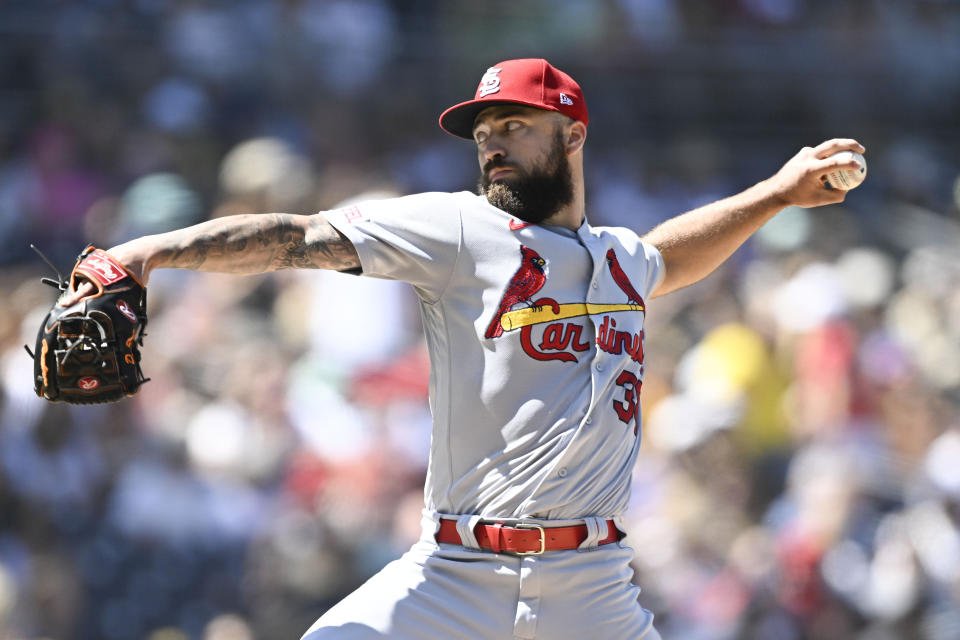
(535, 325)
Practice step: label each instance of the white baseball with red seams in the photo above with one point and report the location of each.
(535, 335)
(846, 179)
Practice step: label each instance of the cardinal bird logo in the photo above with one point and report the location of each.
(528, 279)
(621, 278)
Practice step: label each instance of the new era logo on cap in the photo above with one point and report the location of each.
(532, 82)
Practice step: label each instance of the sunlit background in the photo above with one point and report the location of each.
(800, 472)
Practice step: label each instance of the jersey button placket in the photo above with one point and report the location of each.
(598, 264)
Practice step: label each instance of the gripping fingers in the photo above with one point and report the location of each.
(829, 147)
(833, 163)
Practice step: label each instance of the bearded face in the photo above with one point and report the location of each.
(532, 194)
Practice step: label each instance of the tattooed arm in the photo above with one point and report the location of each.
(252, 243)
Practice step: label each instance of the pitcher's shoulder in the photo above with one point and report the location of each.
(627, 238)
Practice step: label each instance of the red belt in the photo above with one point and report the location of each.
(524, 539)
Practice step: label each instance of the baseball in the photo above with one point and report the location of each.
(846, 179)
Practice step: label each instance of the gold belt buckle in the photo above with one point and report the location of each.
(543, 539)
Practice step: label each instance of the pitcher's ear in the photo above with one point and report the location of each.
(576, 135)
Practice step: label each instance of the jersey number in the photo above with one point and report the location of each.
(629, 408)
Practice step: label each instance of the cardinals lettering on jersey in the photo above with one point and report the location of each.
(561, 337)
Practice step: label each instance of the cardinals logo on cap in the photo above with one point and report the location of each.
(489, 83)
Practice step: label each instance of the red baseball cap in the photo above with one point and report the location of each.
(532, 82)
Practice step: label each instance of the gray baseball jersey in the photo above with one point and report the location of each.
(535, 336)
(536, 346)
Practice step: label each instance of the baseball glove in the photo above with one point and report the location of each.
(89, 351)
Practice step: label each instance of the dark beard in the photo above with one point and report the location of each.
(532, 196)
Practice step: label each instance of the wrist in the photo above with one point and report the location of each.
(771, 193)
(136, 257)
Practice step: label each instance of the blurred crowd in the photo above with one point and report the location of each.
(798, 477)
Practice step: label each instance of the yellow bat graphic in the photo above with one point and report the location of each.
(535, 315)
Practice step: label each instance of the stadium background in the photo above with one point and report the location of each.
(799, 474)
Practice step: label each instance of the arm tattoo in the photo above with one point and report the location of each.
(256, 243)
(318, 245)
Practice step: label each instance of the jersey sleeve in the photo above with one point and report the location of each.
(648, 266)
(414, 239)
(656, 268)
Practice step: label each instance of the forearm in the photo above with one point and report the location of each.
(695, 243)
(243, 244)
